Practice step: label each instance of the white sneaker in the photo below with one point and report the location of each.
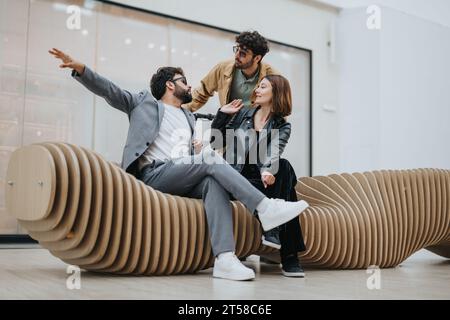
(228, 266)
(279, 211)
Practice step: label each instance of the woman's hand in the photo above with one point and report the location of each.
(67, 60)
(198, 145)
(267, 178)
(233, 107)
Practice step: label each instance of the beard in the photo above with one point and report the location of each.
(184, 95)
(239, 65)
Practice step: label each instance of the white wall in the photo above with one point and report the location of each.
(432, 10)
(299, 23)
(394, 97)
(415, 95)
(359, 88)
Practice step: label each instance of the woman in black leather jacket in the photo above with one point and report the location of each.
(254, 139)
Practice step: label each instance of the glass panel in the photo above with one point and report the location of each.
(13, 45)
(57, 108)
(38, 100)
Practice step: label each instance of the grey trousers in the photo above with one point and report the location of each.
(209, 177)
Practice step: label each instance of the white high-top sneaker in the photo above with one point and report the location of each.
(228, 266)
(275, 212)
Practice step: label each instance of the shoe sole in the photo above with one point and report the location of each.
(231, 277)
(270, 244)
(293, 274)
(303, 205)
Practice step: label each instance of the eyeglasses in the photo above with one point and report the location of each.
(242, 52)
(183, 80)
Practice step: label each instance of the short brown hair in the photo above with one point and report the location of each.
(281, 95)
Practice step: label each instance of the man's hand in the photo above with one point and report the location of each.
(68, 62)
(233, 107)
(267, 179)
(198, 145)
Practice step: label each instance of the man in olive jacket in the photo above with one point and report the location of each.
(235, 79)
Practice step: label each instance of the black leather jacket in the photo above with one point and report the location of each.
(239, 128)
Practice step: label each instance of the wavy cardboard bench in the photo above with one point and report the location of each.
(91, 213)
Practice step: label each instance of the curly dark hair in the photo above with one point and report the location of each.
(254, 41)
(159, 79)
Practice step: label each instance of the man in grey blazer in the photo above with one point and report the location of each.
(159, 150)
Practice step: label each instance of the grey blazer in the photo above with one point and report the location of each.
(238, 127)
(145, 114)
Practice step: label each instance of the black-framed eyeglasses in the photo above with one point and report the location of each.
(183, 80)
(242, 51)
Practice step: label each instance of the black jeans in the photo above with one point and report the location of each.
(291, 236)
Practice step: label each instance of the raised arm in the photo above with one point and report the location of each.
(118, 98)
(201, 94)
(224, 116)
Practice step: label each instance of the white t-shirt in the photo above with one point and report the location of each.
(173, 140)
